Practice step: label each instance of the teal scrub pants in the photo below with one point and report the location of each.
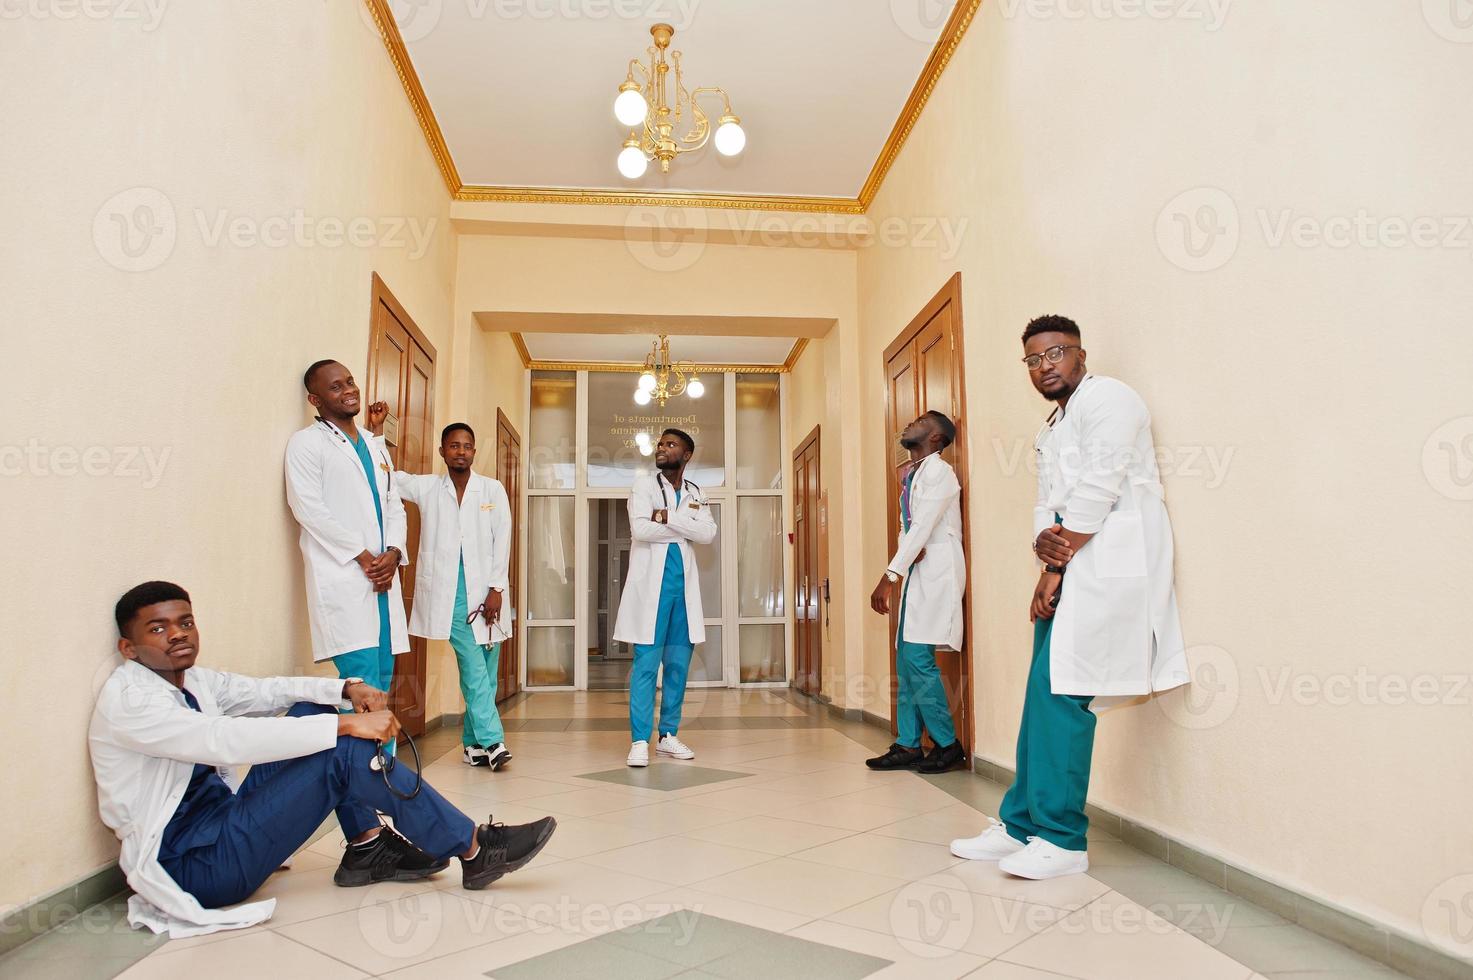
(374, 664)
(1055, 744)
(672, 650)
(921, 698)
(478, 667)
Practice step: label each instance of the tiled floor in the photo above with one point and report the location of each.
(774, 854)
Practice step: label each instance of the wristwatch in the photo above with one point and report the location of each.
(892, 576)
(1054, 569)
(349, 682)
(496, 590)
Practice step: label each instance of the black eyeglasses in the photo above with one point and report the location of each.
(1054, 355)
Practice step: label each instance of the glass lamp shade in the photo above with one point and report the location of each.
(647, 382)
(632, 163)
(641, 397)
(696, 388)
(630, 108)
(730, 138)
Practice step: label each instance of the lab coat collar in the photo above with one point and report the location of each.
(139, 674)
(472, 486)
(339, 438)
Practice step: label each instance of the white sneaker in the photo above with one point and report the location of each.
(674, 748)
(474, 755)
(639, 755)
(1040, 860)
(497, 756)
(993, 844)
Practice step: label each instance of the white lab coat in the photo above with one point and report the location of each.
(477, 526)
(1116, 632)
(328, 493)
(145, 741)
(690, 522)
(935, 587)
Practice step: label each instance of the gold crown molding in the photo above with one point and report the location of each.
(522, 352)
(631, 368)
(946, 45)
(799, 346)
(388, 29)
(941, 54)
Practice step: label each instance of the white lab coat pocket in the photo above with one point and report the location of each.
(1120, 546)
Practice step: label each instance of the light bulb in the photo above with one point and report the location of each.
(630, 108)
(632, 163)
(696, 388)
(641, 397)
(730, 137)
(642, 440)
(647, 382)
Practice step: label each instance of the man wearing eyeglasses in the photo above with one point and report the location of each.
(1105, 622)
(464, 551)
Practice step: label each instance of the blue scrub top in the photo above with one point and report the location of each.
(361, 445)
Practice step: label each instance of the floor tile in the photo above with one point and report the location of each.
(591, 802)
(572, 896)
(799, 886)
(748, 800)
(939, 827)
(589, 960)
(578, 837)
(479, 962)
(676, 817)
(850, 815)
(246, 958)
(98, 943)
(1288, 948)
(998, 970)
(893, 856)
(924, 964)
(664, 777)
(762, 916)
(1069, 892)
(677, 860)
(769, 834)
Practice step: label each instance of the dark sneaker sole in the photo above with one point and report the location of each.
(359, 878)
(499, 870)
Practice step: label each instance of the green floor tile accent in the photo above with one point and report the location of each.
(689, 941)
(664, 777)
(98, 943)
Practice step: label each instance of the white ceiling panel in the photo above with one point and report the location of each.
(634, 348)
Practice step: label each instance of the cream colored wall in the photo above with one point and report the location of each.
(247, 113)
(1327, 533)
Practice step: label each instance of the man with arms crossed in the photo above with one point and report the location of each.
(464, 549)
(1105, 623)
(929, 557)
(341, 488)
(660, 610)
(167, 736)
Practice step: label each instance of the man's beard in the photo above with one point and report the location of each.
(910, 442)
(669, 465)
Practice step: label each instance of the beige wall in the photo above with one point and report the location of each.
(1318, 375)
(248, 112)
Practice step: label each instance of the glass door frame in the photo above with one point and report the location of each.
(727, 495)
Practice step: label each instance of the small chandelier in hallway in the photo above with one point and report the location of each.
(647, 107)
(655, 382)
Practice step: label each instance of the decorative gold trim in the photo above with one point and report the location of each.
(946, 45)
(521, 346)
(799, 346)
(631, 368)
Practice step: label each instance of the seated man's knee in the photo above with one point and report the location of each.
(303, 709)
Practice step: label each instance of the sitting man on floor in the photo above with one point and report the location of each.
(166, 737)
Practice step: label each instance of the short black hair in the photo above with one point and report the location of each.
(445, 432)
(946, 425)
(1050, 324)
(312, 370)
(682, 435)
(147, 594)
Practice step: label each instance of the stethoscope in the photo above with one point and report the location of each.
(665, 497)
(384, 461)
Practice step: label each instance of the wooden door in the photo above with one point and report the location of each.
(809, 567)
(923, 372)
(401, 372)
(509, 473)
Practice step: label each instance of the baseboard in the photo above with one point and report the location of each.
(25, 922)
(1402, 951)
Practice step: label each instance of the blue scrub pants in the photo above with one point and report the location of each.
(1056, 741)
(478, 667)
(672, 649)
(231, 850)
(921, 697)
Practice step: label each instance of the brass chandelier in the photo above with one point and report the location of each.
(647, 108)
(655, 382)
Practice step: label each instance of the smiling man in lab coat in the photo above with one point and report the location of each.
(660, 610)
(929, 557)
(1105, 622)
(341, 488)
(167, 737)
(464, 550)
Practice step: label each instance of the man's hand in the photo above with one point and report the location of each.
(491, 608)
(377, 412)
(661, 516)
(879, 600)
(1045, 597)
(376, 726)
(1052, 547)
(366, 698)
(380, 570)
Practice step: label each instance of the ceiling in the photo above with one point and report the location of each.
(628, 348)
(522, 90)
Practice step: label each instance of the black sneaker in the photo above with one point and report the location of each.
(898, 757)
(940, 760)
(496, 756)
(503, 850)
(391, 858)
